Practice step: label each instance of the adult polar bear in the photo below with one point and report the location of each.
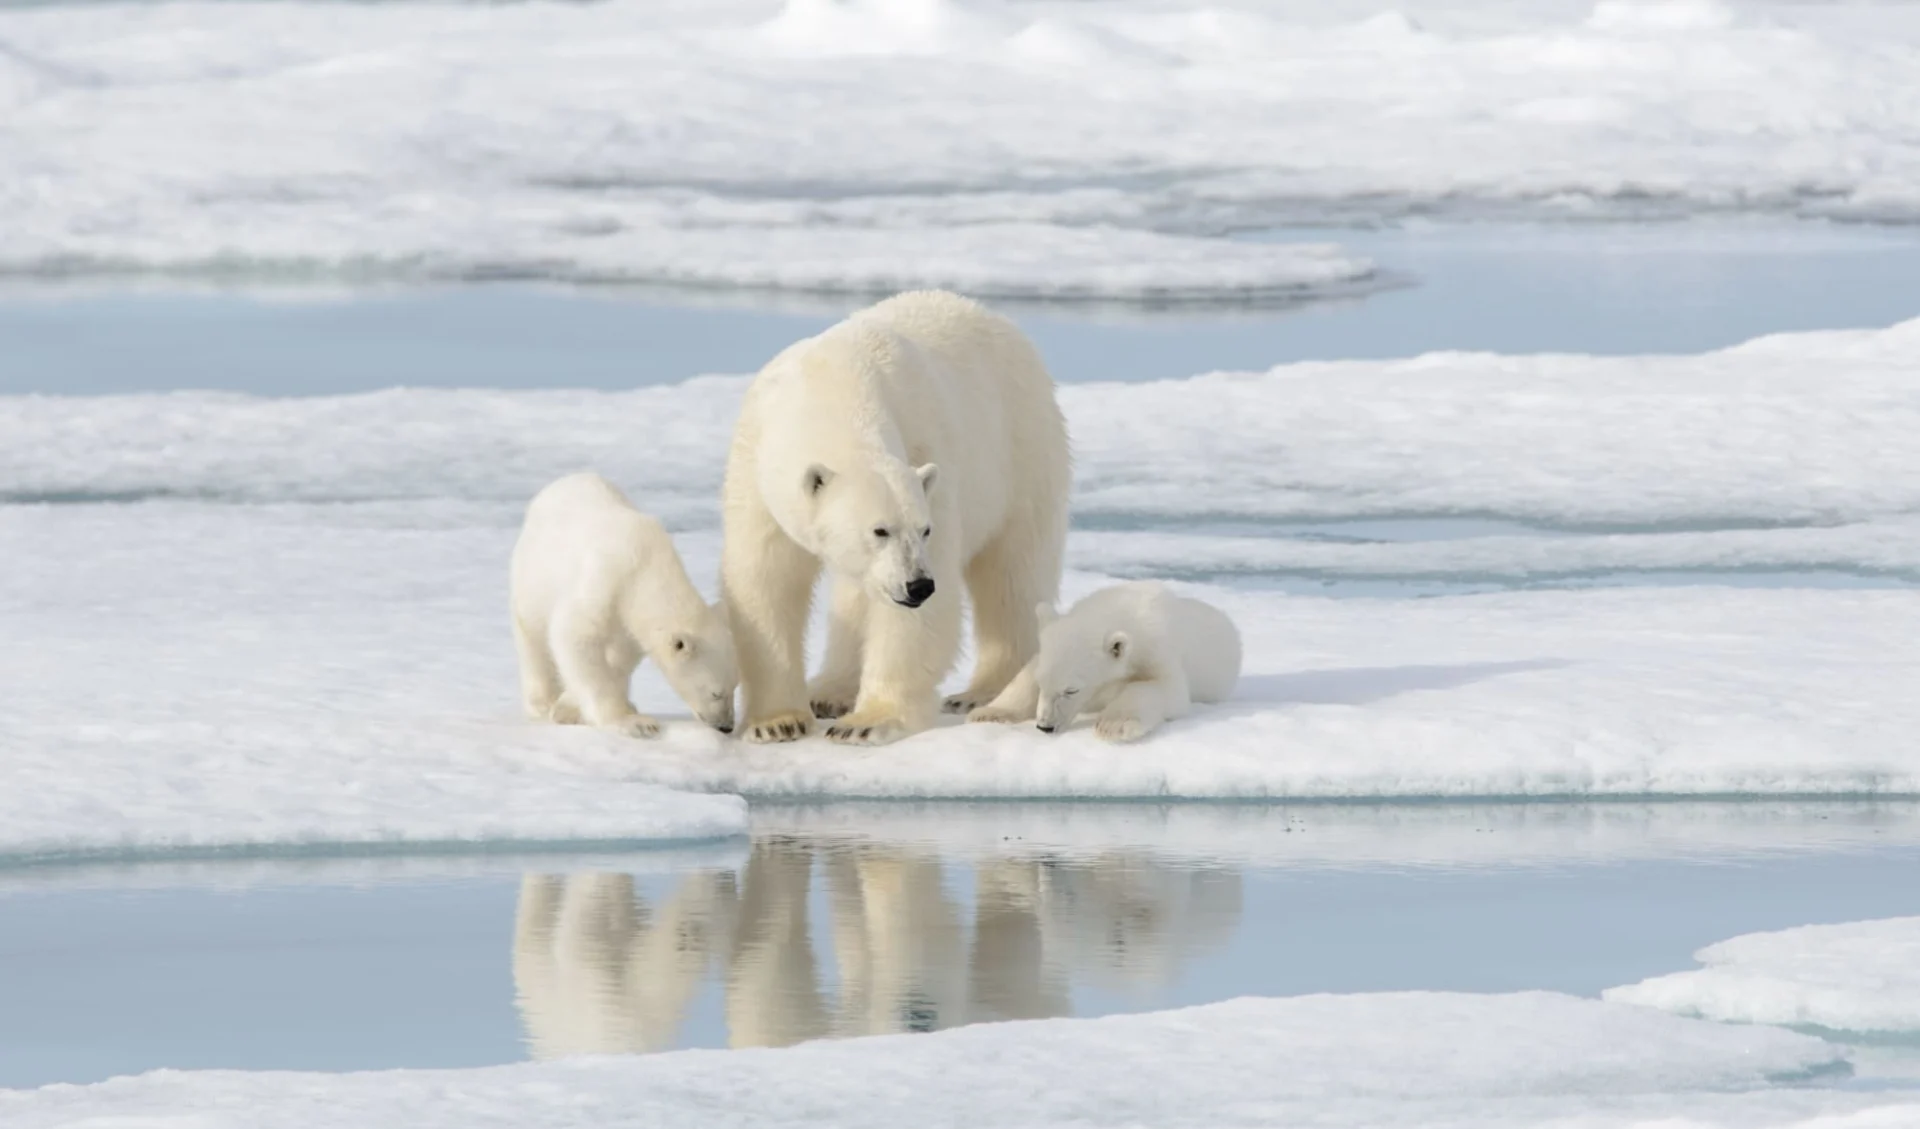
(913, 445)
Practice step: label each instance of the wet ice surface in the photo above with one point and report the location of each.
(867, 919)
(1605, 290)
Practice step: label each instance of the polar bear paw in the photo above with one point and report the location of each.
(869, 728)
(789, 726)
(635, 725)
(1120, 727)
(998, 715)
(964, 703)
(828, 705)
(564, 711)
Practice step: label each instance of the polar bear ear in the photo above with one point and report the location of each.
(927, 474)
(1044, 613)
(1117, 644)
(816, 479)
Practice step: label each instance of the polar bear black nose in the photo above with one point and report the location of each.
(918, 591)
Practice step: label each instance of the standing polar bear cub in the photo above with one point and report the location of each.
(912, 449)
(1135, 654)
(597, 586)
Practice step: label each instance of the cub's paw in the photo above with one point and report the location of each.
(827, 706)
(789, 726)
(635, 725)
(998, 715)
(564, 711)
(868, 729)
(1120, 727)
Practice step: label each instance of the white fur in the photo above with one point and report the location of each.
(925, 411)
(597, 586)
(1134, 654)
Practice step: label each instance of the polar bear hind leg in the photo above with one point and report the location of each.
(595, 687)
(1005, 581)
(1141, 707)
(834, 690)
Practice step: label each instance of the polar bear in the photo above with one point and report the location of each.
(911, 447)
(597, 586)
(1135, 654)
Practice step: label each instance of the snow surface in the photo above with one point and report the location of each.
(1862, 976)
(855, 144)
(383, 692)
(180, 685)
(1430, 1059)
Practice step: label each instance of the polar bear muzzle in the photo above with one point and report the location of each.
(919, 591)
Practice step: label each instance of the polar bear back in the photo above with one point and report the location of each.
(933, 377)
(1167, 628)
(584, 543)
(1209, 646)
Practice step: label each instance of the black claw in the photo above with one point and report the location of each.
(867, 732)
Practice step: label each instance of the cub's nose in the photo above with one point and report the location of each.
(919, 590)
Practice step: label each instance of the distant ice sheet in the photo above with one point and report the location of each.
(1427, 1059)
(858, 144)
(1862, 976)
(1811, 430)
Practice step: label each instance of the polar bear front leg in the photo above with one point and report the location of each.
(1140, 708)
(766, 582)
(1020, 701)
(540, 684)
(596, 689)
(833, 691)
(908, 652)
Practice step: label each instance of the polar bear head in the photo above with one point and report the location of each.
(696, 658)
(1078, 663)
(873, 524)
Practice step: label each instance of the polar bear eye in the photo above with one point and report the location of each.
(880, 533)
(926, 533)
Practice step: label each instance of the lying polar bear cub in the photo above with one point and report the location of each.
(597, 586)
(1136, 654)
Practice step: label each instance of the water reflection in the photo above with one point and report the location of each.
(889, 945)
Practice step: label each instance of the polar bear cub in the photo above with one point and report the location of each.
(597, 586)
(1134, 654)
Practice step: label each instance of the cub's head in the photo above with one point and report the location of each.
(697, 660)
(873, 525)
(1076, 662)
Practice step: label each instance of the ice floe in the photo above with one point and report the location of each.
(1858, 977)
(1429, 1059)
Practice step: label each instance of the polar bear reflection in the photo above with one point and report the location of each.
(599, 971)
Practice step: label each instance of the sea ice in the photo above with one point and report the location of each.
(1862, 976)
(1428, 1059)
(166, 660)
(1810, 430)
(851, 145)
(236, 620)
